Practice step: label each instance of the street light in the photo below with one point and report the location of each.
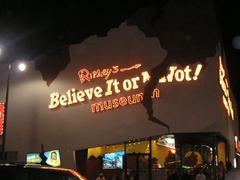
(21, 67)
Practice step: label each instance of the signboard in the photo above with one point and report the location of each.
(33, 158)
(51, 158)
(2, 110)
(237, 145)
(114, 86)
(223, 81)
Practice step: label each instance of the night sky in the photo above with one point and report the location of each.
(38, 30)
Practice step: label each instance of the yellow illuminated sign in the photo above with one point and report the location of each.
(115, 86)
(227, 102)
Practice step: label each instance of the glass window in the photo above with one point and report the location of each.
(100, 151)
(163, 152)
(222, 153)
(105, 159)
(138, 147)
(164, 156)
(196, 155)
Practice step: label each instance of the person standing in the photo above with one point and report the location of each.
(221, 171)
(100, 177)
(229, 166)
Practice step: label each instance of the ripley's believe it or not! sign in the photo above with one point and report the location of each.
(115, 86)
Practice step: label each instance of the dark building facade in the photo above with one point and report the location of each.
(145, 78)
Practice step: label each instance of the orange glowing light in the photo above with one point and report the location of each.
(179, 75)
(225, 102)
(121, 102)
(136, 66)
(197, 72)
(162, 80)
(223, 81)
(127, 85)
(86, 75)
(146, 76)
(66, 170)
(173, 151)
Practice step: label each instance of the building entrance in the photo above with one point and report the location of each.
(156, 158)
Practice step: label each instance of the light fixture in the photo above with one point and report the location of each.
(22, 66)
(173, 151)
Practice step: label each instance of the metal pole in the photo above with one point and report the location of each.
(150, 159)
(6, 113)
(125, 161)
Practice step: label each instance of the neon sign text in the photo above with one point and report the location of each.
(122, 101)
(86, 75)
(180, 74)
(115, 86)
(227, 102)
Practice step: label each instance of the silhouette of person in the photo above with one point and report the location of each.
(100, 177)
